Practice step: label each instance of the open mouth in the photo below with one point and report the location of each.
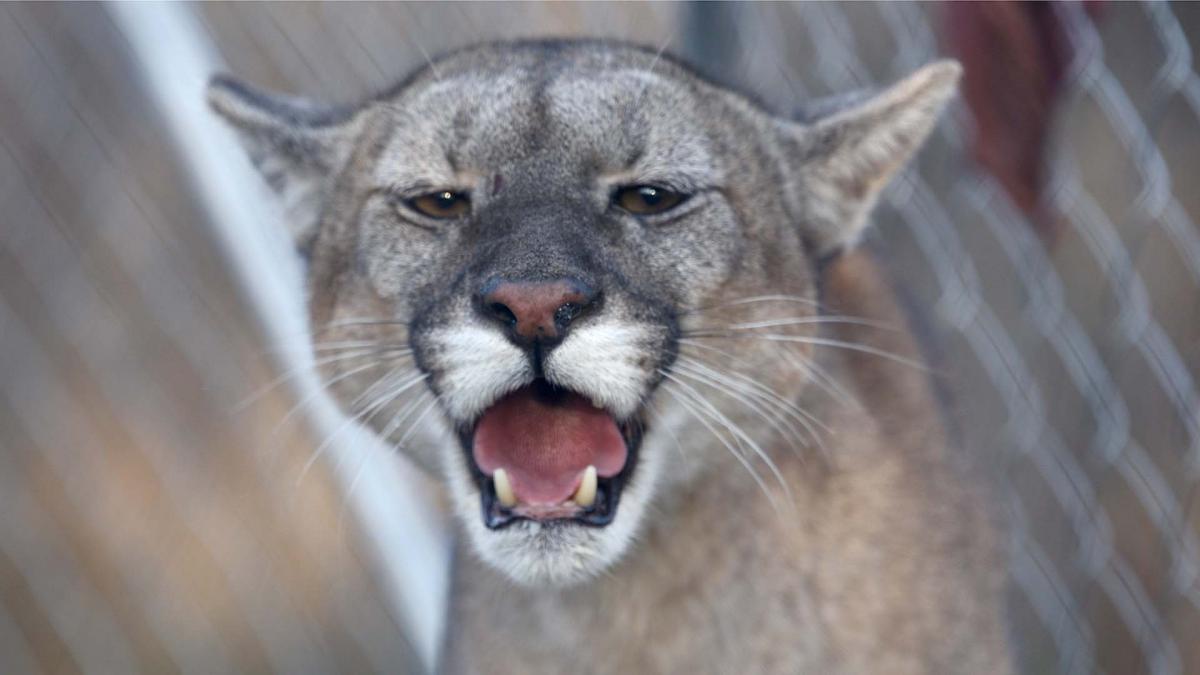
(546, 454)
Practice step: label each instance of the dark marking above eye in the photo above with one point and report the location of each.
(497, 183)
(635, 155)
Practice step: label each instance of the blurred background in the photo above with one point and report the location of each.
(177, 495)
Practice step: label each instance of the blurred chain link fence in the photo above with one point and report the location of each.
(140, 528)
(1067, 338)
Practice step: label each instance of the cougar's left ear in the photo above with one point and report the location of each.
(296, 145)
(847, 157)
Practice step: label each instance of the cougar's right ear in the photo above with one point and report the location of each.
(855, 146)
(296, 145)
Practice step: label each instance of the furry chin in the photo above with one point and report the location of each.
(557, 554)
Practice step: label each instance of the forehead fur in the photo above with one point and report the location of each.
(603, 107)
(546, 60)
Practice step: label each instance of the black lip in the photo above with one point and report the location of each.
(608, 490)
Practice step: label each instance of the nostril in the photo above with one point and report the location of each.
(536, 311)
(567, 313)
(503, 313)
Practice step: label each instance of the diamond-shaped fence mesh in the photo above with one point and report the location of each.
(1066, 333)
(1045, 242)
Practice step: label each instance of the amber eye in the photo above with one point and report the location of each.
(645, 200)
(442, 204)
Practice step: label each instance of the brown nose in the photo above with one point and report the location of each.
(537, 312)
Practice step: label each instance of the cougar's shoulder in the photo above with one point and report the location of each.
(898, 480)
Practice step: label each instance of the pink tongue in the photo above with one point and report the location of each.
(545, 439)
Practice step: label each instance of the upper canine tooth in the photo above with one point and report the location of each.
(504, 491)
(585, 496)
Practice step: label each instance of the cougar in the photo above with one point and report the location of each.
(616, 309)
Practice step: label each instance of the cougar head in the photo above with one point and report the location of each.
(515, 258)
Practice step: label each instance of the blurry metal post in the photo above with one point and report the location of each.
(177, 59)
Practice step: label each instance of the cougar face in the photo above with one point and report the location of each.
(523, 239)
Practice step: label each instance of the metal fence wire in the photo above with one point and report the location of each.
(1068, 338)
(1060, 310)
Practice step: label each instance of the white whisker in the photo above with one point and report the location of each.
(367, 412)
(362, 464)
(318, 391)
(755, 299)
(733, 428)
(363, 321)
(785, 428)
(383, 384)
(416, 423)
(819, 376)
(808, 320)
(822, 342)
(678, 445)
(762, 393)
(400, 416)
(737, 454)
(356, 344)
(294, 372)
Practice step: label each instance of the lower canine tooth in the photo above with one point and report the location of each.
(585, 496)
(504, 491)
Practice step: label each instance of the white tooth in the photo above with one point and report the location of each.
(504, 491)
(585, 496)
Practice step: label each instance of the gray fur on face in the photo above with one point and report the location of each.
(540, 135)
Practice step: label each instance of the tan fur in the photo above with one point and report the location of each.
(752, 535)
(835, 584)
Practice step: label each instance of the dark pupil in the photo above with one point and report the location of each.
(650, 196)
(446, 200)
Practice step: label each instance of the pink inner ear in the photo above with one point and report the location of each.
(545, 443)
